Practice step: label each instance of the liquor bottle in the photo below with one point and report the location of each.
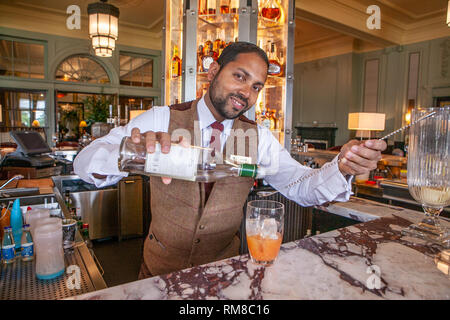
(282, 62)
(266, 119)
(176, 63)
(211, 7)
(218, 44)
(224, 6)
(274, 64)
(271, 10)
(182, 162)
(199, 58)
(202, 7)
(8, 246)
(208, 52)
(273, 120)
(27, 244)
(234, 6)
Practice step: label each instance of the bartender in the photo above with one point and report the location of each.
(196, 223)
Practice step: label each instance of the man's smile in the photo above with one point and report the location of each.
(238, 103)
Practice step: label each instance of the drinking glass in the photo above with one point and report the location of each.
(429, 172)
(264, 226)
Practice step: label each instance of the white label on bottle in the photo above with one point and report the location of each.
(266, 123)
(8, 252)
(180, 162)
(273, 69)
(207, 63)
(240, 159)
(27, 249)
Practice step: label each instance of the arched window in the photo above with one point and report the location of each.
(81, 68)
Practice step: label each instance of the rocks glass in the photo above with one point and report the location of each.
(264, 225)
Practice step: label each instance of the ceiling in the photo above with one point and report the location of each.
(149, 14)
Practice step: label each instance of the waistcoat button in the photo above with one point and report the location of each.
(196, 240)
(150, 236)
(201, 227)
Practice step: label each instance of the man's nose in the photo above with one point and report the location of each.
(245, 91)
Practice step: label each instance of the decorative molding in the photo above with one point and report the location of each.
(22, 18)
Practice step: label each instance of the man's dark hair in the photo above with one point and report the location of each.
(231, 51)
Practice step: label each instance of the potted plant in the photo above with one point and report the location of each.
(97, 114)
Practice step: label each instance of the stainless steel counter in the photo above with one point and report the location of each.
(18, 280)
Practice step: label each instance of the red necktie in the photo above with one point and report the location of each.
(217, 129)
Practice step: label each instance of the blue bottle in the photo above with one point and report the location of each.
(16, 223)
(8, 246)
(27, 244)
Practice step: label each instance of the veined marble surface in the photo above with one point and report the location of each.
(370, 260)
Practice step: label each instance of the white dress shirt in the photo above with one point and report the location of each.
(327, 184)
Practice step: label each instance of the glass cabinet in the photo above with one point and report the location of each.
(196, 32)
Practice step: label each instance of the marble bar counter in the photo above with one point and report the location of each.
(369, 260)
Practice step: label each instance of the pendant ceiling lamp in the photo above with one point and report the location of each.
(103, 27)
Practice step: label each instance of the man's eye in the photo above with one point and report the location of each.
(238, 76)
(257, 89)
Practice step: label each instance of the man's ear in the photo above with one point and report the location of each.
(213, 70)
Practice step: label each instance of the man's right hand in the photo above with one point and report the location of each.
(150, 141)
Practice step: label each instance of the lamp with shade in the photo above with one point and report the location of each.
(365, 122)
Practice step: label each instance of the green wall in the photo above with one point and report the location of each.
(326, 90)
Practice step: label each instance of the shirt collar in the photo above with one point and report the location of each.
(206, 117)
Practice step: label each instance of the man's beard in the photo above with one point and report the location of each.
(220, 103)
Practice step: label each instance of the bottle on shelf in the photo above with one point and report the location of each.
(182, 162)
(273, 120)
(282, 62)
(211, 7)
(199, 58)
(224, 6)
(202, 7)
(8, 246)
(176, 63)
(218, 44)
(27, 244)
(266, 119)
(308, 233)
(271, 10)
(234, 6)
(208, 52)
(274, 64)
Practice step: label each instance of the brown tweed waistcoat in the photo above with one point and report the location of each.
(185, 231)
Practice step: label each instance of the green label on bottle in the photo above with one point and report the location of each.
(248, 170)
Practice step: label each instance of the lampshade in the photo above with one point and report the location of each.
(83, 124)
(103, 27)
(36, 123)
(366, 121)
(135, 113)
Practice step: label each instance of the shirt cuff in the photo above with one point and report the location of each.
(337, 185)
(105, 162)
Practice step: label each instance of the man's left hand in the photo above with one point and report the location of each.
(359, 157)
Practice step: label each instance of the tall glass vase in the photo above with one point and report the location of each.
(429, 172)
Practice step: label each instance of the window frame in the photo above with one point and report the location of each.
(138, 55)
(28, 41)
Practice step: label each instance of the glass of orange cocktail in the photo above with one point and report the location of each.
(264, 223)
